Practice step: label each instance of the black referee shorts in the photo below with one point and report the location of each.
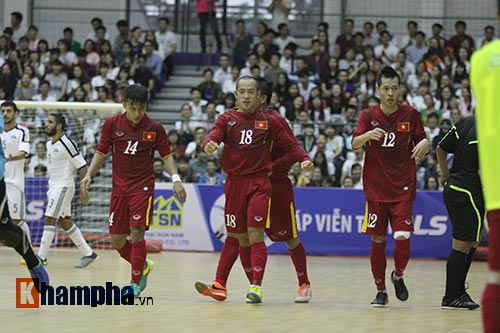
(466, 211)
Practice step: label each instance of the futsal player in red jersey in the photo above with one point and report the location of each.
(394, 137)
(282, 226)
(249, 134)
(133, 138)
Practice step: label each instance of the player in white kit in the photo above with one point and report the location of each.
(16, 146)
(64, 158)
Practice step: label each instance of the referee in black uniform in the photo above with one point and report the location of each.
(463, 197)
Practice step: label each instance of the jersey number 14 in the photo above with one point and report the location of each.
(131, 147)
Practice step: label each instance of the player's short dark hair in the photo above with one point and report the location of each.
(247, 77)
(59, 118)
(10, 103)
(164, 18)
(266, 88)
(388, 73)
(17, 15)
(136, 93)
(489, 27)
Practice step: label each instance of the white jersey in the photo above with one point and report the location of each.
(64, 157)
(13, 141)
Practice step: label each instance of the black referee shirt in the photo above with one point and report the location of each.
(461, 141)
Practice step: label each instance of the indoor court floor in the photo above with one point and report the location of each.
(342, 291)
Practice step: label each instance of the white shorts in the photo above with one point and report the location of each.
(59, 200)
(16, 201)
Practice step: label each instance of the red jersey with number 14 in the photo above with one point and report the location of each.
(389, 172)
(133, 149)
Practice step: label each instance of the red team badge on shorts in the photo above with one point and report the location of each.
(261, 124)
(149, 136)
(403, 126)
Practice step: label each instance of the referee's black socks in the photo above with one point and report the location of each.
(455, 269)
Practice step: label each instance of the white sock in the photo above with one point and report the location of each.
(49, 231)
(76, 236)
(23, 225)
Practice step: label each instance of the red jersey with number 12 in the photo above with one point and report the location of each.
(133, 149)
(389, 172)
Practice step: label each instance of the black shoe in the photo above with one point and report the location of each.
(380, 300)
(459, 304)
(466, 297)
(400, 288)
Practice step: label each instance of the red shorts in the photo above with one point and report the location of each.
(379, 214)
(130, 211)
(283, 226)
(247, 203)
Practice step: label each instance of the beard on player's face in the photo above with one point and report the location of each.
(51, 132)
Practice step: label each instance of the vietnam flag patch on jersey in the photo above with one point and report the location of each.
(261, 124)
(149, 136)
(403, 126)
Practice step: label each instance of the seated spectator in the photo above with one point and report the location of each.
(432, 126)
(276, 104)
(229, 103)
(256, 71)
(241, 44)
(105, 48)
(327, 168)
(355, 157)
(92, 57)
(136, 40)
(209, 117)
(417, 50)
(432, 184)
(68, 37)
(271, 74)
(456, 115)
(386, 51)
(175, 146)
(404, 65)
(33, 39)
(200, 134)
(100, 80)
(287, 60)
(317, 61)
(66, 57)
(161, 176)
(262, 61)
(297, 176)
(211, 176)
(184, 170)
(348, 88)
(88, 69)
(318, 112)
(40, 170)
(305, 86)
(356, 174)
(295, 108)
(347, 182)
(123, 81)
(283, 39)
(104, 95)
(37, 67)
(154, 63)
(349, 63)
(337, 101)
(429, 108)
(8, 80)
(123, 34)
(223, 73)
(210, 90)
(109, 60)
(78, 79)
(316, 178)
(252, 60)
(144, 76)
(281, 87)
(197, 103)
(198, 164)
(300, 66)
(186, 125)
(229, 86)
(460, 39)
(25, 89)
(309, 137)
(96, 22)
(444, 127)
(39, 159)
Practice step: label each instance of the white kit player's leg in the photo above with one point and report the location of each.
(49, 231)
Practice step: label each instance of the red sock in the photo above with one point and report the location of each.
(298, 255)
(378, 263)
(491, 308)
(494, 240)
(401, 256)
(125, 251)
(138, 259)
(246, 262)
(228, 256)
(258, 256)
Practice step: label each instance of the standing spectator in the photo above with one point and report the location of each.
(33, 39)
(269, 47)
(280, 9)
(123, 34)
(186, 125)
(394, 138)
(229, 86)
(197, 103)
(223, 73)
(207, 15)
(211, 176)
(385, 50)
(25, 89)
(241, 44)
(154, 62)
(40, 158)
(345, 40)
(272, 73)
(136, 41)
(318, 60)
(16, 19)
(369, 38)
(437, 28)
(96, 22)
(144, 76)
(283, 38)
(168, 42)
(8, 80)
(68, 37)
(417, 50)
(409, 39)
(457, 41)
(489, 36)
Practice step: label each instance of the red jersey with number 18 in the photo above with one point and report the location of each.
(133, 149)
(389, 172)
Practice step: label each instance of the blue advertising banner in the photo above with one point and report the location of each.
(35, 189)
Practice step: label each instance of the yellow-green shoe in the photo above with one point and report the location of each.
(254, 295)
(148, 267)
(132, 290)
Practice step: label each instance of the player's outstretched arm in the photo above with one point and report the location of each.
(84, 193)
(178, 189)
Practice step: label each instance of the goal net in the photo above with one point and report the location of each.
(84, 122)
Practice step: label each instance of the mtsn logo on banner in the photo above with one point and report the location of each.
(26, 294)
